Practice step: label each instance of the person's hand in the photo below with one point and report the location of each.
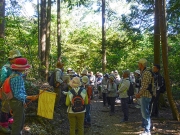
(137, 95)
(65, 93)
(32, 98)
(57, 84)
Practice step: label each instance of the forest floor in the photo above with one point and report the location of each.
(102, 122)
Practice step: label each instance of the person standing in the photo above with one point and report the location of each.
(159, 86)
(88, 88)
(145, 95)
(137, 83)
(59, 81)
(76, 117)
(112, 93)
(5, 73)
(17, 103)
(122, 91)
(104, 88)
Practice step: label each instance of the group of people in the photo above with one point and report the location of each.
(14, 69)
(76, 92)
(148, 85)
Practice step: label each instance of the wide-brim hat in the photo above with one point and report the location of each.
(20, 64)
(112, 77)
(137, 71)
(84, 72)
(126, 72)
(85, 79)
(75, 82)
(14, 54)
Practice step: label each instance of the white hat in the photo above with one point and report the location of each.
(137, 71)
(75, 82)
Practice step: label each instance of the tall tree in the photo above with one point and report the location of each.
(163, 31)
(48, 35)
(43, 36)
(103, 38)
(156, 35)
(59, 28)
(2, 14)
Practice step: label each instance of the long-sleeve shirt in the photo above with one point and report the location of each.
(92, 79)
(104, 85)
(146, 79)
(123, 88)
(69, 98)
(17, 86)
(5, 72)
(112, 89)
(59, 75)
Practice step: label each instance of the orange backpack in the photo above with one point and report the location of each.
(89, 91)
(5, 91)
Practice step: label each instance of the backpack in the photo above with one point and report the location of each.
(151, 85)
(163, 88)
(89, 91)
(77, 101)
(5, 91)
(130, 91)
(52, 79)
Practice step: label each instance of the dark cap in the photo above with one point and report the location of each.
(157, 66)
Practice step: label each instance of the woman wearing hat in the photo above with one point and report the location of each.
(137, 75)
(5, 73)
(17, 103)
(112, 92)
(76, 117)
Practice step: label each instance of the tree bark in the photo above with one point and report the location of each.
(2, 18)
(48, 34)
(43, 36)
(163, 31)
(103, 38)
(156, 35)
(58, 29)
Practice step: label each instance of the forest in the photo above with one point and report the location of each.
(97, 35)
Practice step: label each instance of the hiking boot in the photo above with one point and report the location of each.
(140, 128)
(145, 133)
(138, 106)
(123, 120)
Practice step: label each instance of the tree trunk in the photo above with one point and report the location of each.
(157, 45)
(2, 15)
(156, 35)
(103, 38)
(58, 28)
(43, 36)
(39, 46)
(163, 31)
(48, 34)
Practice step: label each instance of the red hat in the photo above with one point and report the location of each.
(20, 64)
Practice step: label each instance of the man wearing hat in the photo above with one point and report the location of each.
(17, 103)
(160, 87)
(145, 95)
(5, 73)
(122, 91)
(59, 81)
